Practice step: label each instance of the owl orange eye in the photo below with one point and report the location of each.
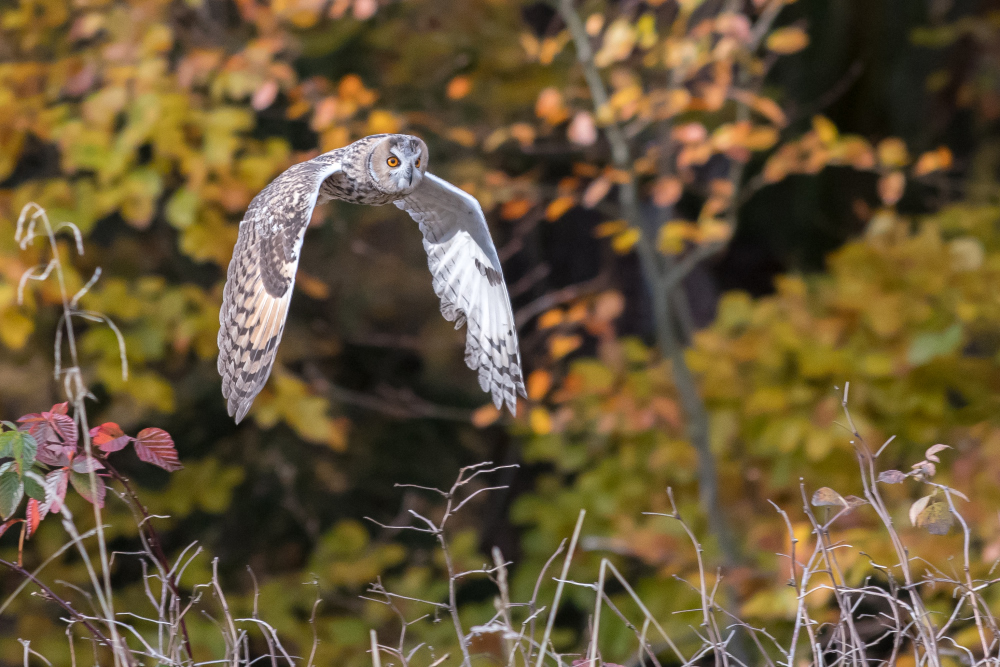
(393, 161)
(417, 163)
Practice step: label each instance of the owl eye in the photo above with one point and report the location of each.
(393, 161)
(417, 163)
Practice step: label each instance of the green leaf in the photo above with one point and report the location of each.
(927, 346)
(81, 482)
(34, 486)
(7, 443)
(11, 492)
(25, 450)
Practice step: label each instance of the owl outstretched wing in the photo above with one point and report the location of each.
(469, 281)
(260, 279)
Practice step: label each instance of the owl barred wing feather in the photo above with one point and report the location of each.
(469, 281)
(260, 279)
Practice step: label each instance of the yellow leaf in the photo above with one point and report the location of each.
(619, 40)
(624, 241)
(382, 122)
(825, 129)
(673, 235)
(892, 152)
(558, 207)
(541, 421)
(787, 40)
(560, 346)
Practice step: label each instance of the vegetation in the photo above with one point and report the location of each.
(713, 216)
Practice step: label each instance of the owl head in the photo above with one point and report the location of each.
(397, 162)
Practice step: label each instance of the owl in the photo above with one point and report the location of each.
(377, 170)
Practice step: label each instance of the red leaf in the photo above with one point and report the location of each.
(60, 409)
(55, 432)
(55, 490)
(154, 445)
(33, 516)
(109, 437)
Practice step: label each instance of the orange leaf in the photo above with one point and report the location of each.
(539, 383)
(560, 346)
(550, 318)
(312, 286)
(485, 415)
(558, 207)
(515, 208)
(458, 87)
(787, 40)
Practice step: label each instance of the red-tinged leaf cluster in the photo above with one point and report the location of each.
(42, 456)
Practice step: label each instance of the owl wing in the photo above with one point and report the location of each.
(260, 280)
(469, 281)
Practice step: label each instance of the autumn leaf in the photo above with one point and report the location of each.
(154, 445)
(109, 437)
(558, 207)
(826, 496)
(892, 476)
(787, 40)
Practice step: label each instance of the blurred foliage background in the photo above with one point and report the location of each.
(839, 173)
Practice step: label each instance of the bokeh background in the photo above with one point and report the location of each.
(828, 167)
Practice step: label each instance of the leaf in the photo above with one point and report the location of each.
(11, 492)
(56, 483)
(92, 494)
(787, 40)
(34, 486)
(931, 452)
(33, 517)
(154, 445)
(918, 507)
(928, 346)
(892, 476)
(936, 518)
(558, 207)
(55, 434)
(855, 501)
(828, 497)
(86, 464)
(581, 130)
(24, 449)
(109, 437)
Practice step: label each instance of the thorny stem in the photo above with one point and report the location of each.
(77, 616)
(156, 547)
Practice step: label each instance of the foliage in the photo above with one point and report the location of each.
(150, 124)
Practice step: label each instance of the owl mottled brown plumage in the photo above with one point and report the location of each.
(375, 170)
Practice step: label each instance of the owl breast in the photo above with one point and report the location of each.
(353, 187)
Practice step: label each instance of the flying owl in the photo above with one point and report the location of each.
(377, 170)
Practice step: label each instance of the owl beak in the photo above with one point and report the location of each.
(409, 175)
